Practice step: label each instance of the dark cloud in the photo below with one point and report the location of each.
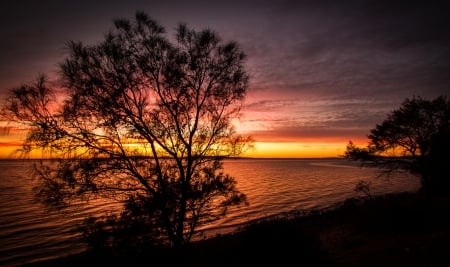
(327, 32)
(318, 68)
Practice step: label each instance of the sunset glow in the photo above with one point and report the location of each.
(312, 149)
(203, 133)
(262, 150)
(295, 150)
(321, 73)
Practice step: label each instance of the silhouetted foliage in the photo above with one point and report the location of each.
(364, 188)
(145, 121)
(416, 138)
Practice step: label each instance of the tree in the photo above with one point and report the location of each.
(416, 138)
(145, 121)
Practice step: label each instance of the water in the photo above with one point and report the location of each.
(30, 233)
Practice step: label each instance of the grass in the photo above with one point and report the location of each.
(405, 229)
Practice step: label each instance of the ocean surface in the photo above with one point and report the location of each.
(29, 232)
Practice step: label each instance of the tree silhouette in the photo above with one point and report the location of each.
(146, 120)
(416, 138)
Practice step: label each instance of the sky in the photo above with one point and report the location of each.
(321, 72)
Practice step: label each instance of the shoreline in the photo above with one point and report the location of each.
(392, 229)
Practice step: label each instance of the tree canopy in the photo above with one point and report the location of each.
(414, 137)
(146, 119)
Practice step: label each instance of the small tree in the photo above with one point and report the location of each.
(415, 138)
(144, 121)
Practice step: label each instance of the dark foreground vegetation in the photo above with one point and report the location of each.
(407, 229)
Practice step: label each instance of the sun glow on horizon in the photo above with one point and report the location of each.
(296, 150)
(11, 141)
(259, 150)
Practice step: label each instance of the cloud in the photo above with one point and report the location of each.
(311, 119)
(325, 69)
(359, 46)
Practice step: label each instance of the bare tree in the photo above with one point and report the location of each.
(145, 120)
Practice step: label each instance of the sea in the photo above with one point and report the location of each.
(274, 187)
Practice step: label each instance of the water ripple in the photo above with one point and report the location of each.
(30, 233)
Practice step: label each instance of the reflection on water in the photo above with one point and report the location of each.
(276, 186)
(28, 232)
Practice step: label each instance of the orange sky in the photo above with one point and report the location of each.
(260, 150)
(268, 143)
(296, 150)
(321, 72)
